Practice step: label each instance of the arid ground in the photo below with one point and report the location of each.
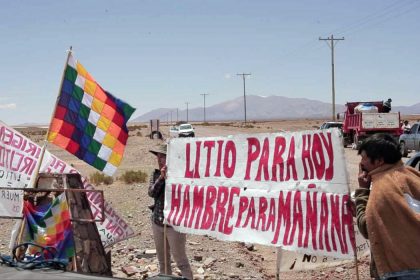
(210, 258)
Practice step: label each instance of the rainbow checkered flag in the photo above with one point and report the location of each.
(49, 225)
(88, 121)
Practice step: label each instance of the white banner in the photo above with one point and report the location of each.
(288, 190)
(18, 158)
(292, 261)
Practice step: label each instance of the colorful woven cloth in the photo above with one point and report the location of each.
(50, 225)
(88, 121)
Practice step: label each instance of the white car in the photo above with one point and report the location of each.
(186, 130)
(327, 125)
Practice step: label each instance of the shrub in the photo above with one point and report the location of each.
(108, 180)
(135, 127)
(99, 178)
(132, 176)
(226, 124)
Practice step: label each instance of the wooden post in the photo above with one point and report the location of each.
(355, 256)
(165, 249)
(278, 260)
(356, 263)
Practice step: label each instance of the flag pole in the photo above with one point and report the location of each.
(44, 147)
(32, 182)
(59, 91)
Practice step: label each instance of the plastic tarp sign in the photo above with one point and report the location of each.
(288, 190)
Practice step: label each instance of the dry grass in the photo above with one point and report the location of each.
(132, 176)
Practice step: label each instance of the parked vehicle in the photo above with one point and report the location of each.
(414, 161)
(363, 119)
(410, 140)
(327, 125)
(173, 131)
(186, 130)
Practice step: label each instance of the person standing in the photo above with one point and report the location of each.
(175, 241)
(387, 106)
(388, 209)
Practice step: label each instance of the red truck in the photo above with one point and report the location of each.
(363, 119)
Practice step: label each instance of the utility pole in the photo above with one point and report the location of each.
(176, 115)
(243, 78)
(187, 109)
(204, 95)
(331, 44)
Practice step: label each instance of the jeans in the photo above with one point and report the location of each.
(402, 275)
(175, 245)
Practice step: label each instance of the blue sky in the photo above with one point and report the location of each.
(156, 54)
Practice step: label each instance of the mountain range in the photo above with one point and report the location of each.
(259, 108)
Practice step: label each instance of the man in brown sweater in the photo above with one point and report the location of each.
(388, 209)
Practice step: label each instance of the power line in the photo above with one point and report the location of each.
(331, 44)
(386, 19)
(187, 109)
(372, 16)
(204, 95)
(387, 13)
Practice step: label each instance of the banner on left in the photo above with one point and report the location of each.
(18, 158)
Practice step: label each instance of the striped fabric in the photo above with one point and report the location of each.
(88, 121)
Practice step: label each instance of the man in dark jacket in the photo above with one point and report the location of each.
(387, 105)
(175, 241)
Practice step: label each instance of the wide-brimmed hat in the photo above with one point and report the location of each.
(161, 149)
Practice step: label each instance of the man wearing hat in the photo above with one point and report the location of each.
(175, 241)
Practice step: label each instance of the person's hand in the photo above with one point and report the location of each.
(163, 172)
(363, 178)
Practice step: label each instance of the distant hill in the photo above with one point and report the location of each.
(259, 108)
(408, 110)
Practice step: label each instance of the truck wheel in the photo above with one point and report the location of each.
(403, 149)
(345, 142)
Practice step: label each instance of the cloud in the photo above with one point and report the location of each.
(8, 106)
(228, 76)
